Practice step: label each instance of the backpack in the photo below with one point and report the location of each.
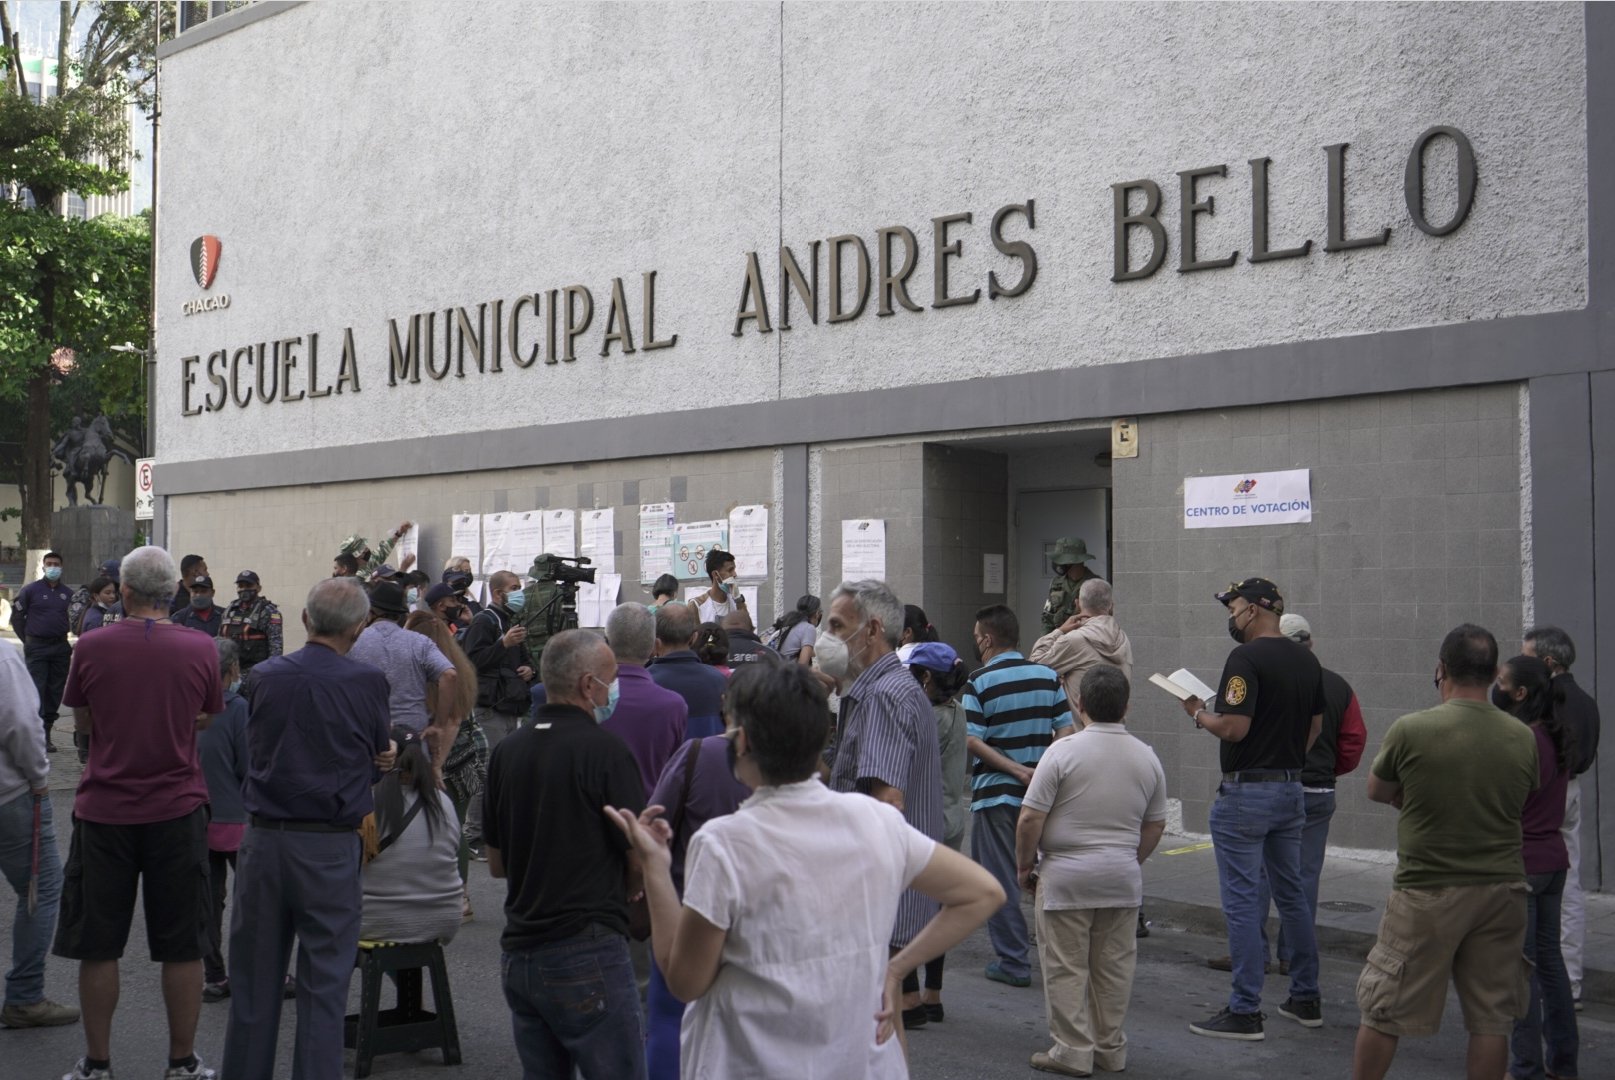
(76, 607)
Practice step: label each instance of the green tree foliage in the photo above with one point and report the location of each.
(66, 283)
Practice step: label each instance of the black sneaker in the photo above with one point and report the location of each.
(214, 992)
(1246, 1027)
(1306, 1013)
(1143, 925)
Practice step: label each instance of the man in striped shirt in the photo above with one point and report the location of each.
(887, 745)
(1014, 710)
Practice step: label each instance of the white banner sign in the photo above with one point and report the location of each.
(1266, 498)
(145, 501)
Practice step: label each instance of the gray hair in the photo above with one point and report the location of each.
(1552, 643)
(229, 655)
(335, 606)
(874, 599)
(150, 576)
(457, 562)
(1095, 597)
(567, 656)
(631, 632)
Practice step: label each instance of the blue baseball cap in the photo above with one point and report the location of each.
(933, 656)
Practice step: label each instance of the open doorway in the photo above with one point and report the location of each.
(1023, 490)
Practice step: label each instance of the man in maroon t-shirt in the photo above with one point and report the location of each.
(140, 689)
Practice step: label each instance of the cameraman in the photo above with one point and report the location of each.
(496, 644)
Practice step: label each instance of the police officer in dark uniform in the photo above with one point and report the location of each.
(252, 622)
(39, 616)
(201, 613)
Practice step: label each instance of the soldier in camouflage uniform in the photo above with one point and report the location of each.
(1070, 560)
(372, 560)
(540, 590)
(252, 622)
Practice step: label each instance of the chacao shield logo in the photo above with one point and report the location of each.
(205, 259)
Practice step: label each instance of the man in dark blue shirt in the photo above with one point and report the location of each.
(678, 669)
(316, 734)
(39, 616)
(201, 613)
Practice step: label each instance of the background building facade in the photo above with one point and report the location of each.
(1420, 318)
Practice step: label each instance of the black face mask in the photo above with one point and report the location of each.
(1502, 700)
(1233, 629)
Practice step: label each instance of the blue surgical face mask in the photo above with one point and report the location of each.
(602, 713)
(413, 596)
(235, 687)
(729, 585)
(515, 601)
(53, 573)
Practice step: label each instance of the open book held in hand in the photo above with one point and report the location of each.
(1183, 685)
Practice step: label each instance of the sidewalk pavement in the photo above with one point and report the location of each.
(1180, 888)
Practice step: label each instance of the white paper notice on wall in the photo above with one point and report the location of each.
(408, 544)
(561, 533)
(655, 541)
(526, 540)
(496, 537)
(863, 548)
(597, 599)
(600, 539)
(748, 540)
(992, 573)
(465, 538)
(1258, 498)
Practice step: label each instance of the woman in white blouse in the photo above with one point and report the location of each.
(781, 941)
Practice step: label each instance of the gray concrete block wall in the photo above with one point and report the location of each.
(882, 481)
(1416, 528)
(289, 534)
(966, 516)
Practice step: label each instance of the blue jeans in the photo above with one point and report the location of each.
(663, 1020)
(30, 934)
(574, 1004)
(1551, 1016)
(992, 844)
(1256, 826)
(1314, 841)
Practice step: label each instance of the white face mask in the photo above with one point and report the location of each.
(831, 653)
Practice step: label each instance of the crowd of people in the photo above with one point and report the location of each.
(673, 805)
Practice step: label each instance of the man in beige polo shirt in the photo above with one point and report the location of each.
(1095, 809)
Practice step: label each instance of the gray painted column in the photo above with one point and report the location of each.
(1562, 527)
(1595, 663)
(794, 523)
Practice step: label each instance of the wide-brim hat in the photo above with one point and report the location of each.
(1069, 550)
(387, 598)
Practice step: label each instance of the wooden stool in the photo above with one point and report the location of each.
(407, 1027)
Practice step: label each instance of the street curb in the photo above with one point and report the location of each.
(1337, 941)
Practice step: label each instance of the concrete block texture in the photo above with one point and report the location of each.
(1383, 571)
(289, 534)
(678, 139)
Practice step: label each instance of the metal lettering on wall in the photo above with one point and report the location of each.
(549, 324)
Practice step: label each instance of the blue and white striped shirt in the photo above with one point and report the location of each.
(1015, 707)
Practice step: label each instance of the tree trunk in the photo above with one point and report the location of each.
(38, 489)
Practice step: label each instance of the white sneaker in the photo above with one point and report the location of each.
(198, 1071)
(81, 1073)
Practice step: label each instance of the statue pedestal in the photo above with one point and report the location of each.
(86, 537)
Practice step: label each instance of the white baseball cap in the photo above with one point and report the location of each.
(1295, 628)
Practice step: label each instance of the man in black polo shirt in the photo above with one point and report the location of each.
(1269, 712)
(568, 977)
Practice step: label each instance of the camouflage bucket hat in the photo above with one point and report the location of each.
(1069, 550)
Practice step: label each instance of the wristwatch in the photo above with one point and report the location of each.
(1196, 718)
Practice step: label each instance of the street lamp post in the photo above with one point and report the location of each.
(151, 387)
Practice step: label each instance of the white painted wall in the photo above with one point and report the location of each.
(362, 161)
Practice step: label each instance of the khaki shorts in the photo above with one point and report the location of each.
(1474, 934)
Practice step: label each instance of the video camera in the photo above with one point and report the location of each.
(555, 570)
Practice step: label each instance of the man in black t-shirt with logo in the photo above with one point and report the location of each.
(1269, 711)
